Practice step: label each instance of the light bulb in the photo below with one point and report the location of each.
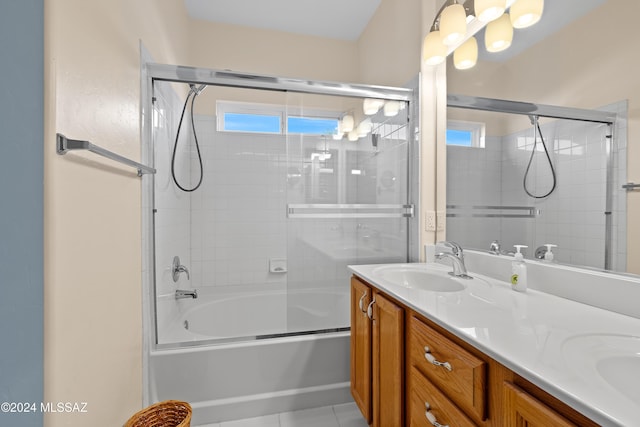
(364, 128)
(353, 135)
(371, 106)
(466, 56)
(498, 34)
(525, 13)
(453, 24)
(391, 108)
(489, 10)
(347, 123)
(434, 51)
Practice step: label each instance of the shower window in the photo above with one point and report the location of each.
(465, 134)
(269, 119)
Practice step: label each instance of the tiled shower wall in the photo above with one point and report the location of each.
(572, 217)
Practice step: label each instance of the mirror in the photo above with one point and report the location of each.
(486, 197)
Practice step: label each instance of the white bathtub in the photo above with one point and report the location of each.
(225, 381)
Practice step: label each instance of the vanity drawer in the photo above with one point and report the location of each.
(457, 373)
(426, 398)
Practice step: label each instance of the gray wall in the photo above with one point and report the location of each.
(21, 207)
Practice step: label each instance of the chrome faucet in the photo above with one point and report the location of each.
(182, 294)
(457, 259)
(494, 248)
(177, 268)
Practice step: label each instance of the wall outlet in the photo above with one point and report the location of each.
(441, 220)
(430, 221)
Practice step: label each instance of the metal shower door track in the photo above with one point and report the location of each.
(528, 108)
(257, 81)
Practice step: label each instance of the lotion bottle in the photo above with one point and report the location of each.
(548, 255)
(519, 270)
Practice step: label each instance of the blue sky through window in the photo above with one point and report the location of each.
(462, 138)
(312, 125)
(251, 123)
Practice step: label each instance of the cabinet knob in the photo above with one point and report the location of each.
(432, 418)
(432, 359)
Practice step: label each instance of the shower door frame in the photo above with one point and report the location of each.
(152, 72)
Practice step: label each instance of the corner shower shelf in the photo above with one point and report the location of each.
(64, 144)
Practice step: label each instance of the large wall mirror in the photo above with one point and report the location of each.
(521, 178)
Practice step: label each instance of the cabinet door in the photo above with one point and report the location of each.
(388, 366)
(361, 296)
(521, 409)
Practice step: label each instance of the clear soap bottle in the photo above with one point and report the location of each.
(519, 270)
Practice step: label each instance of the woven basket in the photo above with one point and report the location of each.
(170, 413)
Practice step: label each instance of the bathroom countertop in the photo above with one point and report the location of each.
(558, 344)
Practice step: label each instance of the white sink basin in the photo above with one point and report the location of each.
(610, 359)
(420, 277)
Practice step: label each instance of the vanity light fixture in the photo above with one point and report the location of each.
(453, 24)
(498, 34)
(525, 13)
(444, 35)
(353, 135)
(466, 56)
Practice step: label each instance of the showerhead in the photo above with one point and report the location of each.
(197, 89)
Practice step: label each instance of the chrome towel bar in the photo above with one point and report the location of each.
(64, 144)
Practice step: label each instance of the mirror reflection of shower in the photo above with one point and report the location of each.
(573, 166)
(193, 93)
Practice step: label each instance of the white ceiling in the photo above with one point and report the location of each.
(336, 19)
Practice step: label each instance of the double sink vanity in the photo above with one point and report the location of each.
(430, 349)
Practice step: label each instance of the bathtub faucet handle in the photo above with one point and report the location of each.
(178, 268)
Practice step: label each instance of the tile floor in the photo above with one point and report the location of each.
(345, 415)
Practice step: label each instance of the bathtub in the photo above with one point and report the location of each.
(246, 377)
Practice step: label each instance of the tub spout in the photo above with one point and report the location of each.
(181, 294)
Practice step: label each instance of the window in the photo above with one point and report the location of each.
(271, 119)
(312, 125)
(465, 134)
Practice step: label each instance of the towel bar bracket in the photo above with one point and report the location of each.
(64, 145)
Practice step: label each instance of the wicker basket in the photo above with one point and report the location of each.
(170, 413)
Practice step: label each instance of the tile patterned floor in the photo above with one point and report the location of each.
(345, 415)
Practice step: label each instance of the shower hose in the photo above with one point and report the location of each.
(193, 93)
(536, 125)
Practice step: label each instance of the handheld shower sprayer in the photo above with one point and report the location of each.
(194, 91)
(536, 132)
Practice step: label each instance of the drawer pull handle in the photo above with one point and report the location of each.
(432, 418)
(432, 359)
(361, 303)
(370, 309)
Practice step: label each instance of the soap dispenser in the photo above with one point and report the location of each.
(548, 255)
(519, 270)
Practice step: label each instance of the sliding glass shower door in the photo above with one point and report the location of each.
(347, 201)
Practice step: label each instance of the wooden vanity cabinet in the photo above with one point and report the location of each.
(393, 350)
(377, 356)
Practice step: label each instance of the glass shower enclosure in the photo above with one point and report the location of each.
(298, 182)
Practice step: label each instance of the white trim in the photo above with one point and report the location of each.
(477, 129)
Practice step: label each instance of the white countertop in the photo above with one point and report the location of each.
(555, 343)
